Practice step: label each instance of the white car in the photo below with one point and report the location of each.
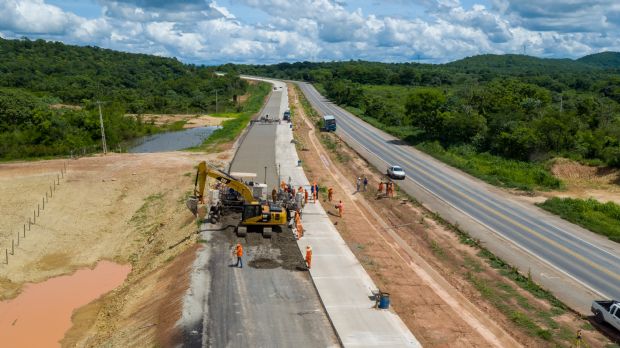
(396, 172)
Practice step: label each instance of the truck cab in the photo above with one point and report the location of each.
(329, 123)
(607, 312)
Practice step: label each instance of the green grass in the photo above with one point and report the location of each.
(230, 129)
(308, 109)
(494, 169)
(601, 218)
(175, 126)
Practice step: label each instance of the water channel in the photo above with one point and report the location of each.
(172, 141)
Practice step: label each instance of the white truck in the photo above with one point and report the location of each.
(607, 312)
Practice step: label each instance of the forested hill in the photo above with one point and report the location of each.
(143, 83)
(37, 78)
(511, 106)
(603, 59)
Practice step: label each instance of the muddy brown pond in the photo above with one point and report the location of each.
(41, 314)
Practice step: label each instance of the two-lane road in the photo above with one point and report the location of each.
(588, 266)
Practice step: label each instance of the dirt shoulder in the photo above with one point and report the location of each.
(581, 181)
(191, 120)
(128, 208)
(442, 286)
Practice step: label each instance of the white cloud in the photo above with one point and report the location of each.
(34, 16)
(204, 31)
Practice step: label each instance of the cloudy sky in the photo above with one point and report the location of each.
(271, 31)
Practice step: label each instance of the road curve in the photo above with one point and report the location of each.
(588, 260)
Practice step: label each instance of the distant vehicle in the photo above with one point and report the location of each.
(329, 123)
(396, 172)
(607, 312)
(287, 115)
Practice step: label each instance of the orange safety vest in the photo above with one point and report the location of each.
(239, 250)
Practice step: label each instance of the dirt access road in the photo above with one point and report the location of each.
(442, 289)
(127, 208)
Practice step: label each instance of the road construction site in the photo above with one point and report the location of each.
(275, 300)
(184, 288)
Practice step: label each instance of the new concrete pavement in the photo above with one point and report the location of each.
(576, 265)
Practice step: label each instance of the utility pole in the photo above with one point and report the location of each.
(216, 108)
(103, 142)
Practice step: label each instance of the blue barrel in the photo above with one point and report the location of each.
(384, 301)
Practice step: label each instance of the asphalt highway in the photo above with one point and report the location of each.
(588, 260)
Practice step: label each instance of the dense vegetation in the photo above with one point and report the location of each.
(36, 76)
(602, 218)
(516, 107)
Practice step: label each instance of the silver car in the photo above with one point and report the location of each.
(396, 172)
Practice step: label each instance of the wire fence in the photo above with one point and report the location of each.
(21, 233)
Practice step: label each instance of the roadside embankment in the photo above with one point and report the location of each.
(127, 208)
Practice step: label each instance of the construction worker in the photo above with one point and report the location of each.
(365, 183)
(340, 207)
(315, 191)
(330, 194)
(274, 194)
(309, 256)
(305, 196)
(380, 187)
(239, 253)
(358, 183)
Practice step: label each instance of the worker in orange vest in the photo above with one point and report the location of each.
(309, 256)
(274, 193)
(340, 207)
(315, 192)
(239, 253)
(330, 194)
(305, 196)
(380, 187)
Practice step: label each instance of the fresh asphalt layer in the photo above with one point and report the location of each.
(549, 244)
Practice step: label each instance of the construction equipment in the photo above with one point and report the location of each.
(256, 212)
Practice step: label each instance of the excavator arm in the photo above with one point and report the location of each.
(224, 178)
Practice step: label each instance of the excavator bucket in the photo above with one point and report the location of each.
(192, 205)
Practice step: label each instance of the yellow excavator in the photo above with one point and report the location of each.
(255, 214)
